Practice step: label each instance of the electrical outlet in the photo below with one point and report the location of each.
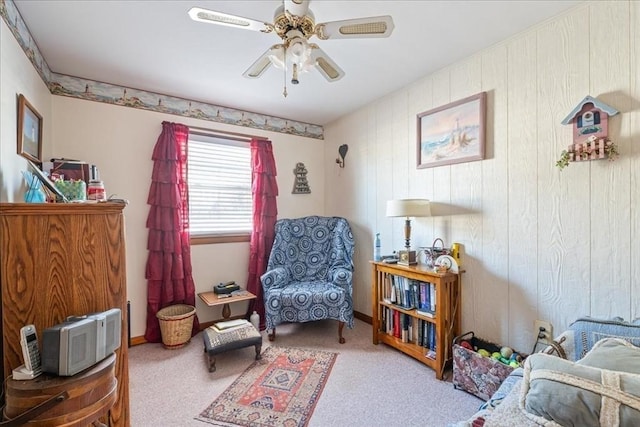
(543, 331)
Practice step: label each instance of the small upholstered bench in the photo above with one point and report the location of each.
(216, 342)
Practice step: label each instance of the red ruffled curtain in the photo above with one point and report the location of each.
(168, 273)
(265, 211)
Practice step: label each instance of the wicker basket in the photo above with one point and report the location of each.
(176, 324)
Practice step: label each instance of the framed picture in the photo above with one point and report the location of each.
(453, 133)
(29, 131)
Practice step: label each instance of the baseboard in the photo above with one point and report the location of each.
(361, 316)
(137, 340)
(140, 340)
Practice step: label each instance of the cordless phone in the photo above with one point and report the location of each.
(30, 353)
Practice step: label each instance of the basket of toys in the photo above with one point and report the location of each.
(176, 324)
(479, 366)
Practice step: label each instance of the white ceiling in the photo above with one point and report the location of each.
(155, 46)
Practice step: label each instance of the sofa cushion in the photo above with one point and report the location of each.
(590, 393)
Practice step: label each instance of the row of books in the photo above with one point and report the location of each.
(409, 329)
(408, 294)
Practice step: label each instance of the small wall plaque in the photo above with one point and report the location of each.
(300, 185)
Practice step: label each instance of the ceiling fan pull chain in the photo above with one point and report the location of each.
(284, 72)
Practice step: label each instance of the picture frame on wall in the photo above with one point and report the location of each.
(452, 133)
(29, 131)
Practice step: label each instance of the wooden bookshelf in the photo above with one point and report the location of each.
(445, 320)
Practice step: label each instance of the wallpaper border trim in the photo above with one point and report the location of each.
(91, 90)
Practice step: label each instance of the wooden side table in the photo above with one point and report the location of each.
(78, 400)
(212, 299)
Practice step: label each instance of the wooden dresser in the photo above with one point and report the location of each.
(57, 260)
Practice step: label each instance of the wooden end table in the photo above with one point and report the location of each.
(75, 401)
(212, 299)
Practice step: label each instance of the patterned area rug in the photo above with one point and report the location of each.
(282, 389)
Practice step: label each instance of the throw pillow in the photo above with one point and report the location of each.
(557, 392)
(589, 330)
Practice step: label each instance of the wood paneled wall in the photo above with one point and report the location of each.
(539, 243)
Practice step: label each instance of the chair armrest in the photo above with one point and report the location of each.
(275, 278)
(342, 277)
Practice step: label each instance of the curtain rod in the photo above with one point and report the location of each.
(207, 131)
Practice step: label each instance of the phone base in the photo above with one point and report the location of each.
(22, 373)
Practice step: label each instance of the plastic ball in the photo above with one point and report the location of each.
(506, 352)
(514, 364)
(495, 355)
(514, 356)
(483, 352)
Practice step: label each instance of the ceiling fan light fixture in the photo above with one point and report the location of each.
(299, 50)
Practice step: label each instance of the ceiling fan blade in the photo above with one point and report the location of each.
(297, 7)
(263, 62)
(213, 17)
(373, 26)
(325, 65)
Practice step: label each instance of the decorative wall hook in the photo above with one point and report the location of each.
(342, 151)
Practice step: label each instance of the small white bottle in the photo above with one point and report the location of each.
(376, 249)
(255, 320)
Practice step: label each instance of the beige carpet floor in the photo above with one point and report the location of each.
(369, 385)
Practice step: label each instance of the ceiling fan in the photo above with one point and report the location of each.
(295, 24)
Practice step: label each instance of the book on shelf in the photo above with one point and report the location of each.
(426, 312)
(392, 295)
(406, 327)
(396, 324)
(407, 302)
(387, 289)
(432, 337)
(426, 306)
(415, 294)
(432, 294)
(403, 292)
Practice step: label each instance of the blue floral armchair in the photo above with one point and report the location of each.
(309, 274)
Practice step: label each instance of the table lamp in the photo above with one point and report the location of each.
(408, 208)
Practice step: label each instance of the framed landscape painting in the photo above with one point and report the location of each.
(29, 131)
(453, 133)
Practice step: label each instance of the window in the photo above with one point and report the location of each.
(219, 179)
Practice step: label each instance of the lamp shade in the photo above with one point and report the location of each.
(408, 207)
